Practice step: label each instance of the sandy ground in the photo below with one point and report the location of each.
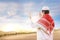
(28, 36)
(57, 35)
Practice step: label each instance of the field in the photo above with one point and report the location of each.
(28, 36)
(57, 34)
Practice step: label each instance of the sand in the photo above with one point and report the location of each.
(29, 36)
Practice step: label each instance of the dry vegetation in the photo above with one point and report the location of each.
(25, 36)
(13, 33)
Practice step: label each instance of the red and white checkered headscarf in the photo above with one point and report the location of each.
(47, 22)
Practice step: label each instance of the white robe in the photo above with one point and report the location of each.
(41, 35)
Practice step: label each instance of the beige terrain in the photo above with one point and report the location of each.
(57, 34)
(31, 36)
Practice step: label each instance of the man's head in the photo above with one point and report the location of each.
(45, 10)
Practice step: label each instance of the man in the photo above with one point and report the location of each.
(45, 25)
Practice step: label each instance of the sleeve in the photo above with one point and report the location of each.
(37, 25)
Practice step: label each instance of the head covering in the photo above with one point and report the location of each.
(45, 8)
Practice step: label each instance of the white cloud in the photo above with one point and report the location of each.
(27, 7)
(3, 6)
(12, 9)
(14, 19)
(2, 19)
(11, 13)
(17, 20)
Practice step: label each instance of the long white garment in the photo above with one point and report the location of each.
(41, 35)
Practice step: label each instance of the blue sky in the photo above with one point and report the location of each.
(17, 11)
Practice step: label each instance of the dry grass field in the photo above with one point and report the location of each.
(31, 36)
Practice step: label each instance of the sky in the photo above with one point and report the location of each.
(14, 14)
